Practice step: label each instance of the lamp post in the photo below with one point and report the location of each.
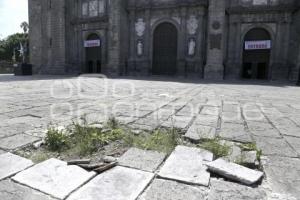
(298, 82)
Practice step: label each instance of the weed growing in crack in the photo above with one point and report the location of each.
(214, 145)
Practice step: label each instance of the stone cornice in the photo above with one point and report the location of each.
(155, 4)
(260, 9)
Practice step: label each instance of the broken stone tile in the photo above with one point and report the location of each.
(186, 164)
(10, 190)
(181, 122)
(170, 190)
(54, 177)
(275, 146)
(11, 164)
(141, 159)
(119, 183)
(283, 175)
(235, 132)
(17, 141)
(249, 158)
(198, 132)
(220, 190)
(235, 172)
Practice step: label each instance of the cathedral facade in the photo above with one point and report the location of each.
(210, 39)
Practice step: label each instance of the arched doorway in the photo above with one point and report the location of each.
(93, 54)
(256, 55)
(165, 39)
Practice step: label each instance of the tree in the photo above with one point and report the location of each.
(25, 27)
(11, 44)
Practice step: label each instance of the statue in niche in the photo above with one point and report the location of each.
(140, 48)
(191, 47)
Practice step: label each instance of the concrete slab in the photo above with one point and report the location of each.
(186, 164)
(170, 190)
(235, 172)
(17, 141)
(234, 132)
(199, 132)
(294, 142)
(11, 164)
(10, 190)
(275, 146)
(54, 177)
(119, 183)
(283, 174)
(220, 190)
(141, 159)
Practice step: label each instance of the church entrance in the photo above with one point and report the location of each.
(165, 49)
(93, 54)
(256, 55)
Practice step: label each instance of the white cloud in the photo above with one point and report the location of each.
(12, 14)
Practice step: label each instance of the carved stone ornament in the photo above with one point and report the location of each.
(140, 27)
(192, 25)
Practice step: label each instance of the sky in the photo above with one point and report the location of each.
(12, 14)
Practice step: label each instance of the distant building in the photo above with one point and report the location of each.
(211, 39)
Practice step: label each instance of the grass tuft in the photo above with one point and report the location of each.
(214, 145)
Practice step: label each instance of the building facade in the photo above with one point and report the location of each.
(210, 39)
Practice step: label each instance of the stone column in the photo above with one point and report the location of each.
(214, 68)
(182, 43)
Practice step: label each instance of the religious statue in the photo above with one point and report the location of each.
(140, 48)
(191, 47)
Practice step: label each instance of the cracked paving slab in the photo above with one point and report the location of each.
(54, 177)
(11, 164)
(10, 190)
(180, 167)
(119, 183)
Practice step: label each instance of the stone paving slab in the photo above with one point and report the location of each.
(275, 146)
(235, 172)
(207, 120)
(186, 164)
(283, 174)
(224, 190)
(200, 132)
(11, 164)
(54, 177)
(295, 143)
(171, 190)
(263, 129)
(10, 190)
(141, 159)
(17, 141)
(119, 183)
(235, 132)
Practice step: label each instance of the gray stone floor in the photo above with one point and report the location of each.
(267, 113)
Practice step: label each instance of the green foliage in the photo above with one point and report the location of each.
(89, 140)
(12, 42)
(214, 145)
(162, 140)
(56, 140)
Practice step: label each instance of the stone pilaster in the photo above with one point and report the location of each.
(214, 68)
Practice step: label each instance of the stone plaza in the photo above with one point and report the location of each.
(267, 113)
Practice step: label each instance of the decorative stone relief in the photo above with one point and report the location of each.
(177, 19)
(191, 47)
(140, 27)
(192, 25)
(140, 48)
